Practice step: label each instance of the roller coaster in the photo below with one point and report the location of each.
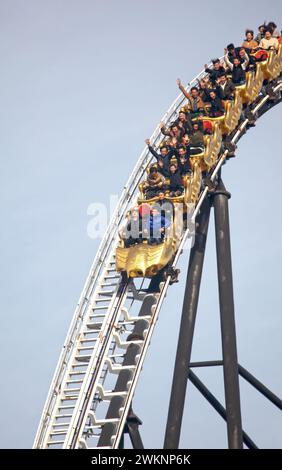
(89, 404)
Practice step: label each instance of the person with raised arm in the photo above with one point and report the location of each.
(196, 106)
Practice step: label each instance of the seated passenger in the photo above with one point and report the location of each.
(216, 71)
(197, 144)
(166, 206)
(163, 168)
(184, 122)
(172, 143)
(184, 165)
(183, 151)
(204, 88)
(158, 225)
(196, 106)
(233, 52)
(144, 214)
(225, 88)
(154, 183)
(268, 42)
(122, 228)
(133, 230)
(249, 43)
(175, 181)
(237, 68)
(165, 153)
(216, 106)
(185, 141)
(261, 32)
(173, 131)
(273, 29)
(252, 62)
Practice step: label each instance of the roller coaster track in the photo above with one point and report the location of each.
(104, 351)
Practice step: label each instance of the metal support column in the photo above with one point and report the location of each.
(227, 318)
(186, 332)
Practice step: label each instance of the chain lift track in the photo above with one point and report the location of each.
(102, 357)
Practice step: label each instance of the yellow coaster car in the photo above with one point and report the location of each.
(144, 260)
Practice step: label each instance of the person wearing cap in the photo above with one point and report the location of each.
(158, 225)
(216, 71)
(155, 181)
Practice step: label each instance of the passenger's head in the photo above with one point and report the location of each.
(236, 62)
(262, 28)
(172, 168)
(185, 139)
(182, 116)
(249, 35)
(175, 129)
(182, 151)
(271, 26)
(267, 34)
(161, 195)
(231, 48)
(164, 150)
(153, 171)
(222, 78)
(196, 126)
(135, 213)
(194, 92)
(212, 94)
(155, 209)
(202, 84)
(242, 52)
(216, 64)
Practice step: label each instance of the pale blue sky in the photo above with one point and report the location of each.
(82, 84)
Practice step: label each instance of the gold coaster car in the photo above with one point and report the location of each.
(144, 260)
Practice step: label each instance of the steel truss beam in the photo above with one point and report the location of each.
(219, 200)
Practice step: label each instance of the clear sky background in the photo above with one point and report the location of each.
(82, 84)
